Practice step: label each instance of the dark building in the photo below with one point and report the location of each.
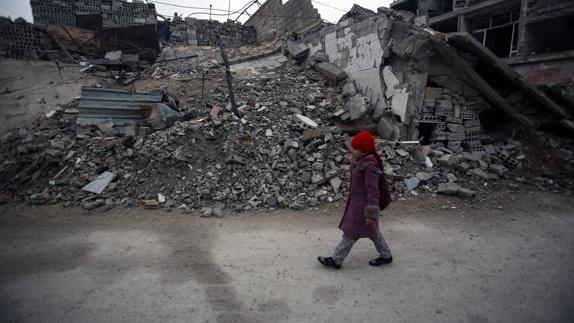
(509, 28)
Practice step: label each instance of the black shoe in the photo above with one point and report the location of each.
(329, 262)
(380, 261)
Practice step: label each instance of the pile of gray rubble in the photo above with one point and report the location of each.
(284, 152)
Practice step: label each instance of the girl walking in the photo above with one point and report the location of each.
(361, 217)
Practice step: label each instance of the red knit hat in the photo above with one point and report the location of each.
(364, 142)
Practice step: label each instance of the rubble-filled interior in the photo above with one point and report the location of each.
(451, 117)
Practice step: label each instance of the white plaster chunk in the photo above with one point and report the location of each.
(391, 81)
(399, 103)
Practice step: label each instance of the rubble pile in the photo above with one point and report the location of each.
(275, 155)
(283, 152)
(114, 13)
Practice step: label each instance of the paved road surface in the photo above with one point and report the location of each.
(453, 264)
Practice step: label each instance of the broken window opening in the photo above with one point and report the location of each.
(499, 33)
(425, 132)
(493, 120)
(550, 36)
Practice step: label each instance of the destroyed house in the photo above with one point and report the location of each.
(509, 28)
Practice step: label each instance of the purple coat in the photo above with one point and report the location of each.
(363, 200)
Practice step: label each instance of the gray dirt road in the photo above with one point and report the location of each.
(512, 261)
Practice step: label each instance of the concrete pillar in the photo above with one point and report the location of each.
(522, 22)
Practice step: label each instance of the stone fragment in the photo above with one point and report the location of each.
(480, 173)
(448, 160)
(298, 51)
(100, 183)
(94, 204)
(304, 122)
(335, 184)
(466, 193)
(151, 204)
(402, 153)
(424, 176)
(357, 106)
(292, 154)
(499, 170)
(310, 134)
(313, 202)
(448, 188)
(411, 183)
(463, 167)
(217, 211)
(564, 154)
(451, 178)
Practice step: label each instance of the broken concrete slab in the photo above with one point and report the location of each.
(99, 184)
(357, 106)
(310, 134)
(297, 50)
(304, 122)
(332, 71)
(424, 176)
(399, 103)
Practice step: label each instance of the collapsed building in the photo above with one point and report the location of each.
(453, 115)
(534, 37)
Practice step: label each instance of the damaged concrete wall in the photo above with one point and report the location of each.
(274, 18)
(395, 85)
(400, 67)
(114, 13)
(358, 50)
(21, 40)
(198, 32)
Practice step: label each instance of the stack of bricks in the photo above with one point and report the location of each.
(115, 13)
(197, 32)
(21, 40)
(183, 32)
(456, 122)
(47, 12)
(127, 14)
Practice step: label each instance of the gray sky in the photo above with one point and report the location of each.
(21, 8)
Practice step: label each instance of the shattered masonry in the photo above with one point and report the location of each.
(456, 119)
(113, 13)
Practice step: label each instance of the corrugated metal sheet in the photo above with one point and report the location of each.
(122, 107)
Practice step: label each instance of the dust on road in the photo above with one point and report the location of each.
(510, 261)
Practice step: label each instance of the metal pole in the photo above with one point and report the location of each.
(202, 85)
(228, 9)
(228, 77)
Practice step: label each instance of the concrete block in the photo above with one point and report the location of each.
(499, 170)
